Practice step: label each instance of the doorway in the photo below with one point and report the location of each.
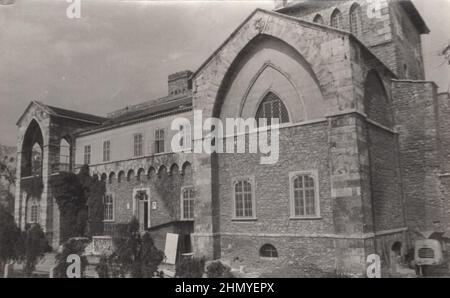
(141, 208)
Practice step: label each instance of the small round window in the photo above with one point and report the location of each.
(268, 251)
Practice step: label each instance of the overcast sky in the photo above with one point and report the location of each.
(121, 52)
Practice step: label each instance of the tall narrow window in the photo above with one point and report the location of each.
(270, 108)
(356, 20)
(185, 137)
(318, 19)
(187, 204)
(304, 196)
(138, 144)
(243, 200)
(87, 154)
(108, 204)
(34, 212)
(159, 141)
(336, 19)
(106, 150)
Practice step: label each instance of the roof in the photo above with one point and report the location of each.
(63, 113)
(295, 19)
(415, 16)
(151, 112)
(407, 5)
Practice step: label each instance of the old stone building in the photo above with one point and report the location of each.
(363, 153)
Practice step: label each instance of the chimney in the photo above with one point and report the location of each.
(180, 82)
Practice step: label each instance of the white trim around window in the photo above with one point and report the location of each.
(192, 203)
(315, 176)
(235, 181)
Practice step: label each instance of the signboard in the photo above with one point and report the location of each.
(171, 248)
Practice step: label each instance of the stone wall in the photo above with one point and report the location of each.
(415, 111)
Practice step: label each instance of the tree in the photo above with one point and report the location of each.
(134, 255)
(9, 239)
(34, 246)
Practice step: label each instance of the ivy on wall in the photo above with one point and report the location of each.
(80, 201)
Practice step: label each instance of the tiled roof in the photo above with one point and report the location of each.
(74, 115)
(154, 111)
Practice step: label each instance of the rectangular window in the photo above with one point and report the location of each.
(304, 195)
(87, 154)
(244, 199)
(159, 141)
(34, 213)
(106, 150)
(108, 204)
(187, 204)
(138, 143)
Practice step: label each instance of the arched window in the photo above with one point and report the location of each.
(304, 195)
(318, 19)
(271, 107)
(243, 199)
(356, 20)
(108, 203)
(268, 251)
(336, 19)
(187, 204)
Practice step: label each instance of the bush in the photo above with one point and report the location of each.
(34, 246)
(72, 246)
(102, 267)
(134, 255)
(217, 269)
(190, 268)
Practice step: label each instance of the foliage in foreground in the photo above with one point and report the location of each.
(9, 239)
(134, 255)
(72, 246)
(33, 247)
(190, 268)
(217, 269)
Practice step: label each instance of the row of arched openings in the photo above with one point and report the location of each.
(337, 19)
(143, 174)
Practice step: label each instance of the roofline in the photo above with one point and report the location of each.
(298, 20)
(94, 130)
(52, 113)
(422, 25)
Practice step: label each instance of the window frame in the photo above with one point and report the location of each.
(106, 151)
(314, 174)
(268, 258)
(337, 15)
(358, 22)
(138, 147)
(159, 141)
(318, 19)
(251, 180)
(182, 199)
(262, 103)
(113, 203)
(34, 206)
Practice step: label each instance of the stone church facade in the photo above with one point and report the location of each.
(364, 144)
